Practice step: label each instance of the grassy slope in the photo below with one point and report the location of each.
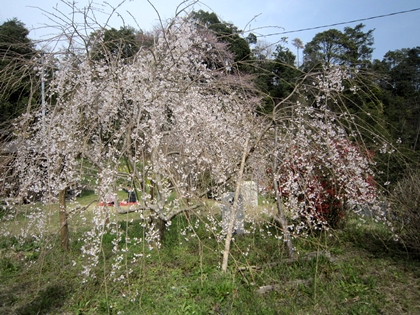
(367, 274)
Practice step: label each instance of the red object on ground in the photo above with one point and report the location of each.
(125, 203)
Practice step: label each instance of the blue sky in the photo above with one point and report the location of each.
(262, 16)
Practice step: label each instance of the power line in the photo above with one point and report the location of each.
(341, 23)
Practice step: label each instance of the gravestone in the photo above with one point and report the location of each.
(226, 208)
(249, 192)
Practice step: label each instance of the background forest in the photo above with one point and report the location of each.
(181, 115)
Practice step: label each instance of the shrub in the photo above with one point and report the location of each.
(326, 183)
(405, 214)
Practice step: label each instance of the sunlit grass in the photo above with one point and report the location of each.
(363, 272)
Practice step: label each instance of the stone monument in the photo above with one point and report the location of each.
(249, 192)
(226, 208)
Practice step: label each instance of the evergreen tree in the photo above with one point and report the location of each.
(113, 43)
(353, 48)
(358, 46)
(227, 33)
(16, 78)
(400, 83)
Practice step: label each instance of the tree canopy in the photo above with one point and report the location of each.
(400, 85)
(227, 33)
(16, 78)
(353, 48)
(112, 43)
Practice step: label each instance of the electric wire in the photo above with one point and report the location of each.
(341, 23)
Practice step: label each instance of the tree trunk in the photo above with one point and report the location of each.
(226, 252)
(280, 216)
(64, 229)
(282, 221)
(161, 225)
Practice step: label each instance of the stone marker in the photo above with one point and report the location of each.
(249, 191)
(226, 207)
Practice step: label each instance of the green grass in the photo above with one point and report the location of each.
(367, 274)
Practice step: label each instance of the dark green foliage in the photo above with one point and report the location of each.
(353, 48)
(325, 48)
(113, 43)
(251, 38)
(285, 73)
(16, 74)
(400, 83)
(228, 33)
(399, 94)
(358, 46)
(14, 39)
(276, 78)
